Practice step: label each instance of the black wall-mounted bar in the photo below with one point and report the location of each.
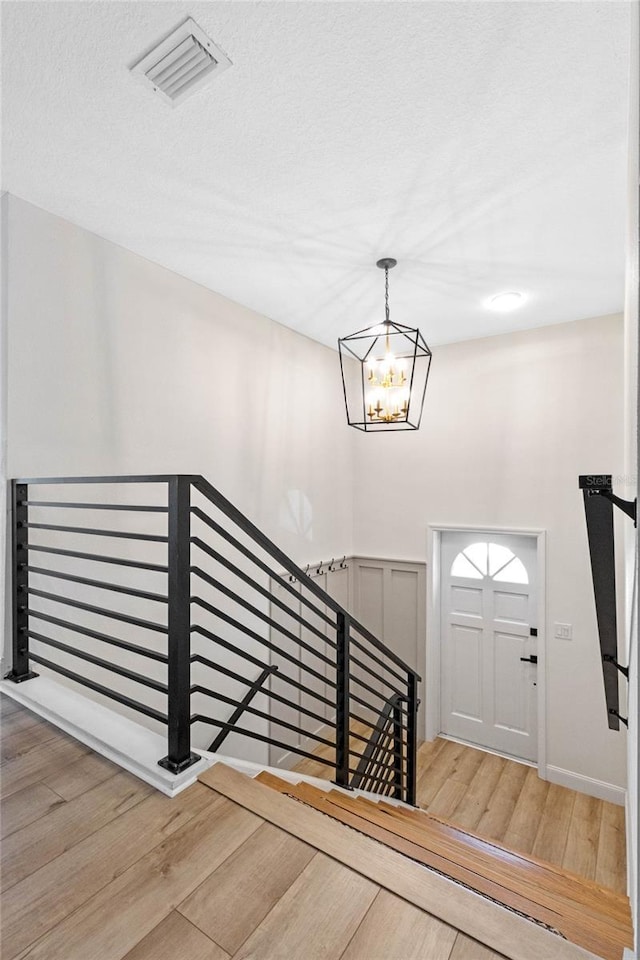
(599, 501)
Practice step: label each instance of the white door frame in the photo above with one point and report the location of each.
(432, 678)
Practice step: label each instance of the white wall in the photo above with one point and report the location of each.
(118, 366)
(509, 423)
(632, 464)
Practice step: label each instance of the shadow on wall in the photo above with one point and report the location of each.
(295, 514)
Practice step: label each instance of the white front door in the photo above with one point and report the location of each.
(488, 634)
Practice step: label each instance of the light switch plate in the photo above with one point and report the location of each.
(563, 631)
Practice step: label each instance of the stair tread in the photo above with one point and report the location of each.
(422, 817)
(595, 934)
(424, 820)
(276, 783)
(504, 863)
(503, 931)
(529, 879)
(595, 918)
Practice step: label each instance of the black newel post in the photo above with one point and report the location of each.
(412, 738)
(20, 584)
(179, 623)
(342, 701)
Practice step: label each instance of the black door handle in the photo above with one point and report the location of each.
(532, 659)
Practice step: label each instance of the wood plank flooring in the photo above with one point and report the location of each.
(589, 915)
(97, 866)
(502, 931)
(506, 801)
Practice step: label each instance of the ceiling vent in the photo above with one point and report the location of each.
(182, 63)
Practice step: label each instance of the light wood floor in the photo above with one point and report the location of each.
(584, 912)
(506, 801)
(98, 866)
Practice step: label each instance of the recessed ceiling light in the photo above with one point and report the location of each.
(504, 302)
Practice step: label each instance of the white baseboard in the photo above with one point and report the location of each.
(592, 787)
(629, 954)
(123, 741)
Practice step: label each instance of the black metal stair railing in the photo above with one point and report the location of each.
(210, 624)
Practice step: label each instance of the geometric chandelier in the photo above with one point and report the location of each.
(385, 369)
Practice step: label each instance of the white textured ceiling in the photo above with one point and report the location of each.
(482, 144)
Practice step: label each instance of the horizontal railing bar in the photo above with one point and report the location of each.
(102, 611)
(93, 506)
(364, 703)
(378, 710)
(215, 497)
(358, 736)
(154, 478)
(268, 594)
(99, 662)
(381, 774)
(382, 764)
(240, 547)
(114, 587)
(387, 788)
(381, 745)
(196, 658)
(256, 712)
(86, 631)
(154, 538)
(196, 628)
(371, 725)
(210, 492)
(386, 752)
(99, 558)
(376, 659)
(370, 689)
(370, 779)
(372, 672)
(256, 612)
(365, 740)
(200, 718)
(256, 636)
(380, 771)
(98, 688)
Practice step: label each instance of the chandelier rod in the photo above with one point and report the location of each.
(386, 294)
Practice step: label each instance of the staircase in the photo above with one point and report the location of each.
(158, 594)
(579, 910)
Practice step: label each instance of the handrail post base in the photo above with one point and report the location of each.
(20, 677)
(177, 767)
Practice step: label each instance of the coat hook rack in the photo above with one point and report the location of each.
(317, 570)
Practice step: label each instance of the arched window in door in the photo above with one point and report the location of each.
(491, 560)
